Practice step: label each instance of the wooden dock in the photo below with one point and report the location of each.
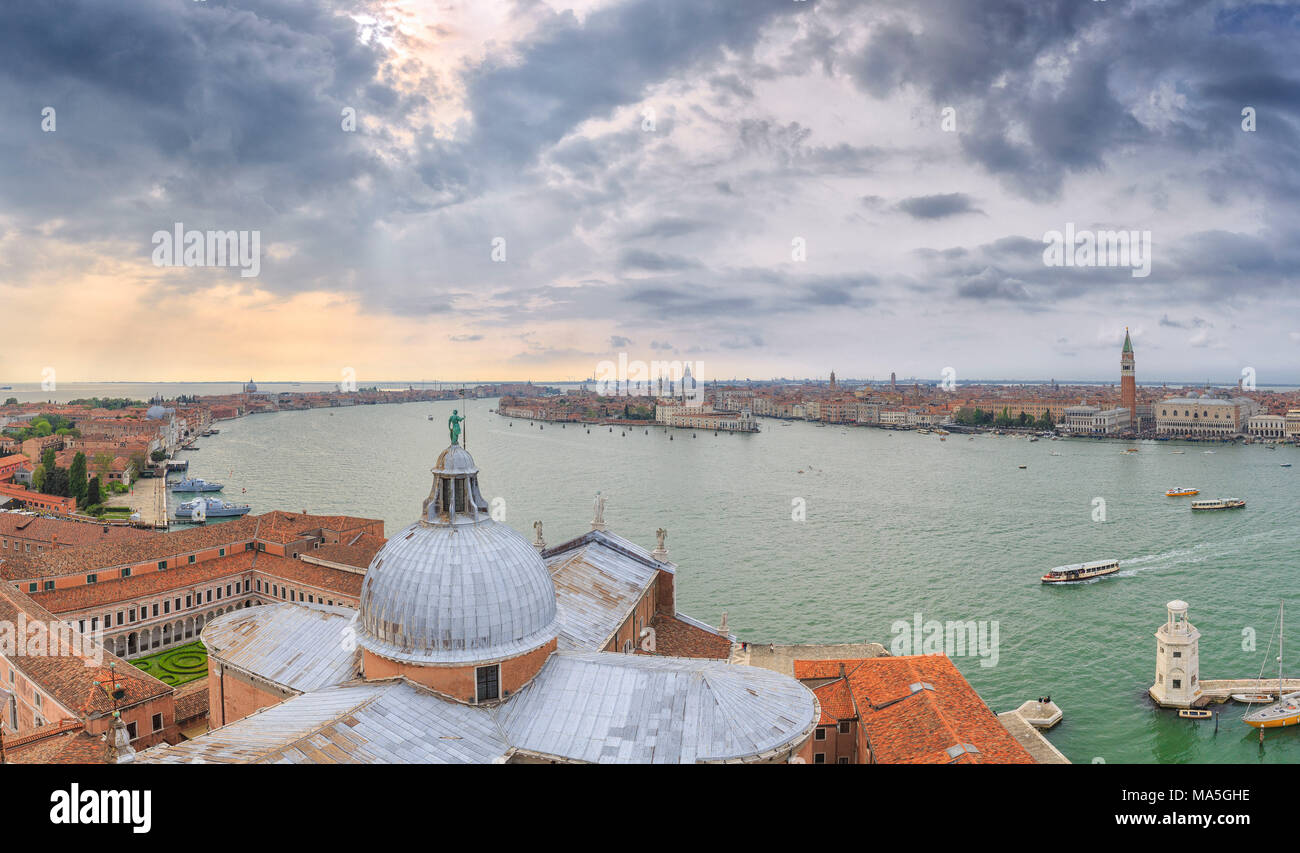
(1221, 690)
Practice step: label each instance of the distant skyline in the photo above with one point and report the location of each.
(532, 186)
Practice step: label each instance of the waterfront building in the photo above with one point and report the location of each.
(1128, 380)
(1267, 426)
(1178, 661)
(868, 412)
(704, 417)
(1292, 424)
(1203, 417)
(504, 663)
(1091, 420)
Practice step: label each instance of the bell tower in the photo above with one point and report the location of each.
(1128, 382)
(1178, 663)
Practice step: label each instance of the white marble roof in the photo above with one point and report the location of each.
(456, 594)
(597, 583)
(584, 706)
(299, 646)
(383, 722)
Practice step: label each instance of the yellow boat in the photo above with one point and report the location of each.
(1181, 492)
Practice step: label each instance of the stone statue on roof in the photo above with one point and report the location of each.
(661, 534)
(453, 424)
(598, 521)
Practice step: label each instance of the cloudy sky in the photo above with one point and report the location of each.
(766, 187)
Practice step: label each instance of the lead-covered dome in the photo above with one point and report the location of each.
(456, 587)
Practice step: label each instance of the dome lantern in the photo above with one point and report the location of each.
(457, 593)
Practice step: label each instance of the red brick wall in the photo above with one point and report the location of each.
(458, 681)
(232, 695)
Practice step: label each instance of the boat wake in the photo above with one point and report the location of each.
(1192, 555)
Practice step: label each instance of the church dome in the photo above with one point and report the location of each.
(456, 587)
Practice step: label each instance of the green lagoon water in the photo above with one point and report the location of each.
(896, 523)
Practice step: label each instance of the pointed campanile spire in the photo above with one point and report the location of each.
(1128, 383)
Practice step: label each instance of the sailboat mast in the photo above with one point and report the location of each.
(1281, 632)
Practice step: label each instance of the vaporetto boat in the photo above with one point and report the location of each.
(1081, 571)
(1218, 503)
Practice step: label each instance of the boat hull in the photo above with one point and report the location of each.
(1279, 723)
(189, 516)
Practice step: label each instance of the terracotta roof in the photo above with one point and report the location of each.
(110, 591)
(283, 527)
(120, 591)
(67, 672)
(358, 551)
(63, 743)
(811, 669)
(322, 577)
(66, 532)
(837, 702)
(918, 709)
(192, 700)
(66, 561)
(675, 638)
(276, 527)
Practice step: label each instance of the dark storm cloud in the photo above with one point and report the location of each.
(938, 206)
(639, 259)
(571, 71)
(227, 115)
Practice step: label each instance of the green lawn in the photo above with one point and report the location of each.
(176, 666)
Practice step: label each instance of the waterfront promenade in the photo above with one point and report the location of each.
(148, 497)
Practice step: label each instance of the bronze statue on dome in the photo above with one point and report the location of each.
(453, 424)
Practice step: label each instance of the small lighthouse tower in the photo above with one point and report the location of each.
(1178, 681)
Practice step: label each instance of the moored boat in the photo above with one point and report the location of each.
(201, 509)
(1252, 698)
(1286, 710)
(1194, 714)
(1217, 503)
(195, 484)
(1181, 492)
(1081, 571)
